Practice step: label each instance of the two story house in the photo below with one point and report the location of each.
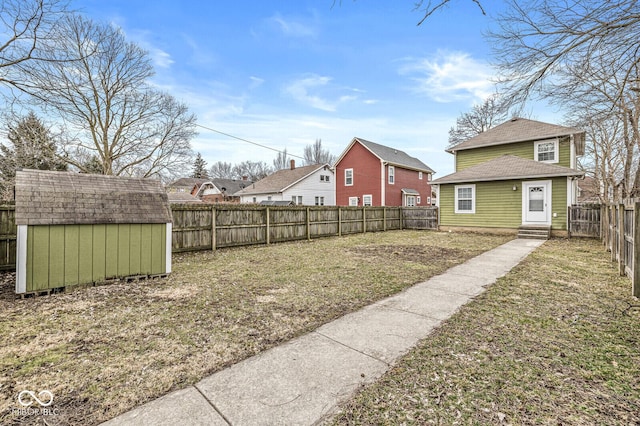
(306, 185)
(519, 176)
(370, 174)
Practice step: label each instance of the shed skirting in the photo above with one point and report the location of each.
(21, 259)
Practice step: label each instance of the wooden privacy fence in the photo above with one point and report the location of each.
(584, 220)
(8, 233)
(209, 227)
(621, 230)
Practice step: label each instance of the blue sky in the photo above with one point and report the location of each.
(284, 73)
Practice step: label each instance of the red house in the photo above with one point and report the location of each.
(370, 174)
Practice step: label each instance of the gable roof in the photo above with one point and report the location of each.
(518, 130)
(281, 180)
(228, 186)
(182, 198)
(389, 155)
(507, 167)
(187, 183)
(60, 198)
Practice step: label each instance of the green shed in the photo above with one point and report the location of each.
(79, 229)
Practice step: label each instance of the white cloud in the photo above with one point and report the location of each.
(255, 82)
(450, 76)
(318, 92)
(292, 27)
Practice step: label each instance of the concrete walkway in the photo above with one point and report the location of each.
(302, 381)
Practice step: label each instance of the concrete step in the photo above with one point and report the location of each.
(535, 232)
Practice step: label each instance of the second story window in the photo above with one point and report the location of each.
(348, 177)
(546, 151)
(324, 178)
(392, 175)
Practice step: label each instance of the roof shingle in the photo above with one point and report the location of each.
(394, 156)
(507, 167)
(60, 198)
(280, 180)
(517, 130)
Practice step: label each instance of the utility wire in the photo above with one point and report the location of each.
(247, 141)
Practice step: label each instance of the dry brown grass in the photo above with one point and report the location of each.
(104, 350)
(555, 342)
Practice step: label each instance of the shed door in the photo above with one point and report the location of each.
(536, 202)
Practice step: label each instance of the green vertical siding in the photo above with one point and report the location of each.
(67, 255)
(471, 157)
(499, 206)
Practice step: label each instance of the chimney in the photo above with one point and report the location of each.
(293, 164)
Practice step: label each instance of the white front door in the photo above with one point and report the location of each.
(536, 203)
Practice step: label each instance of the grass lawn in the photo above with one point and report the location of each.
(104, 350)
(554, 342)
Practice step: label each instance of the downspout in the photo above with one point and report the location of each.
(383, 179)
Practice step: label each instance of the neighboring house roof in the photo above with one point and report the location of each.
(182, 197)
(57, 198)
(281, 180)
(276, 203)
(186, 183)
(507, 167)
(228, 186)
(390, 155)
(519, 130)
(410, 191)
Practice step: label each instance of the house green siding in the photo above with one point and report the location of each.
(67, 255)
(471, 157)
(499, 206)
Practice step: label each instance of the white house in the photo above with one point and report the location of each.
(307, 185)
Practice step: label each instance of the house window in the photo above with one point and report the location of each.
(428, 201)
(319, 201)
(367, 200)
(297, 200)
(255, 199)
(353, 201)
(269, 198)
(420, 175)
(348, 177)
(418, 199)
(465, 198)
(546, 151)
(324, 178)
(392, 175)
(411, 200)
(429, 177)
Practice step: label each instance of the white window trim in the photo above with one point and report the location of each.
(347, 171)
(353, 201)
(420, 175)
(364, 198)
(556, 157)
(392, 175)
(418, 200)
(473, 199)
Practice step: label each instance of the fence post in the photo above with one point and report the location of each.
(636, 250)
(620, 230)
(268, 236)
(308, 224)
(401, 214)
(384, 218)
(214, 243)
(569, 221)
(339, 222)
(364, 220)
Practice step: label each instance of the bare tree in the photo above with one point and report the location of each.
(433, 6)
(28, 36)
(107, 106)
(315, 154)
(584, 54)
(222, 170)
(281, 161)
(480, 119)
(253, 170)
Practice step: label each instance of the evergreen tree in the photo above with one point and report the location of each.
(30, 146)
(199, 168)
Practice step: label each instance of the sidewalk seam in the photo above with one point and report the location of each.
(353, 349)
(213, 405)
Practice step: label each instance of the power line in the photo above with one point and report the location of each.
(247, 141)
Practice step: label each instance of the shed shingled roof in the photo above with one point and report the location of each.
(62, 198)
